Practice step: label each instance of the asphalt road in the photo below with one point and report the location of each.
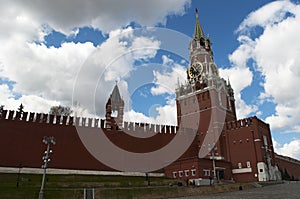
(278, 191)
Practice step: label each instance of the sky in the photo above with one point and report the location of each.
(71, 53)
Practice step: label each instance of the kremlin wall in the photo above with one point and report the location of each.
(223, 148)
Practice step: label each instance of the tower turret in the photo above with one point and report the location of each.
(115, 108)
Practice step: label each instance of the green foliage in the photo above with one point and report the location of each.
(60, 110)
(285, 175)
(21, 108)
(1, 109)
(20, 111)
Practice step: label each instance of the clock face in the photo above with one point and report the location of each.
(195, 70)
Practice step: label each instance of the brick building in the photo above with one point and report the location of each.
(223, 147)
(228, 148)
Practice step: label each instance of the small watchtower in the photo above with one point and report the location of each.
(114, 109)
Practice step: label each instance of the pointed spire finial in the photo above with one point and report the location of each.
(115, 95)
(198, 29)
(178, 82)
(228, 82)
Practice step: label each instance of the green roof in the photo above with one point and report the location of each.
(198, 29)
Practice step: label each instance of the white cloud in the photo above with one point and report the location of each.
(240, 78)
(5, 93)
(144, 48)
(291, 149)
(269, 14)
(50, 73)
(31, 103)
(137, 117)
(106, 15)
(42, 71)
(166, 82)
(166, 115)
(294, 129)
(113, 60)
(275, 53)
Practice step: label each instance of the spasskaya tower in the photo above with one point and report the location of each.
(206, 100)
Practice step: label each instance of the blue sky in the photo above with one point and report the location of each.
(50, 51)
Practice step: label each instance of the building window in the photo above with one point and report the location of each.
(265, 140)
(248, 164)
(186, 173)
(174, 174)
(206, 172)
(240, 165)
(261, 170)
(180, 173)
(193, 172)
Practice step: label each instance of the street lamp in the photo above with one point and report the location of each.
(18, 179)
(46, 159)
(212, 150)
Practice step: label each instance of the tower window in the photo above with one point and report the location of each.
(193, 172)
(240, 165)
(174, 174)
(202, 43)
(206, 172)
(248, 164)
(180, 173)
(186, 173)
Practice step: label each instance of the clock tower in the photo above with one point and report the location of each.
(206, 101)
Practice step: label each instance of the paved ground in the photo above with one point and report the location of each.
(279, 191)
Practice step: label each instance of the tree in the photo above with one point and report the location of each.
(285, 175)
(20, 111)
(60, 110)
(1, 110)
(21, 108)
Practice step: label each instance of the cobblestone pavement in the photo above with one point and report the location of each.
(279, 191)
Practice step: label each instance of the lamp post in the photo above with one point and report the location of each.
(46, 159)
(212, 150)
(18, 179)
(214, 163)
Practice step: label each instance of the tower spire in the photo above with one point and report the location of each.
(115, 95)
(198, 29)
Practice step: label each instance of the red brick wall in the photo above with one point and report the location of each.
(245, 141)
(21, 142)
(291, 166)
